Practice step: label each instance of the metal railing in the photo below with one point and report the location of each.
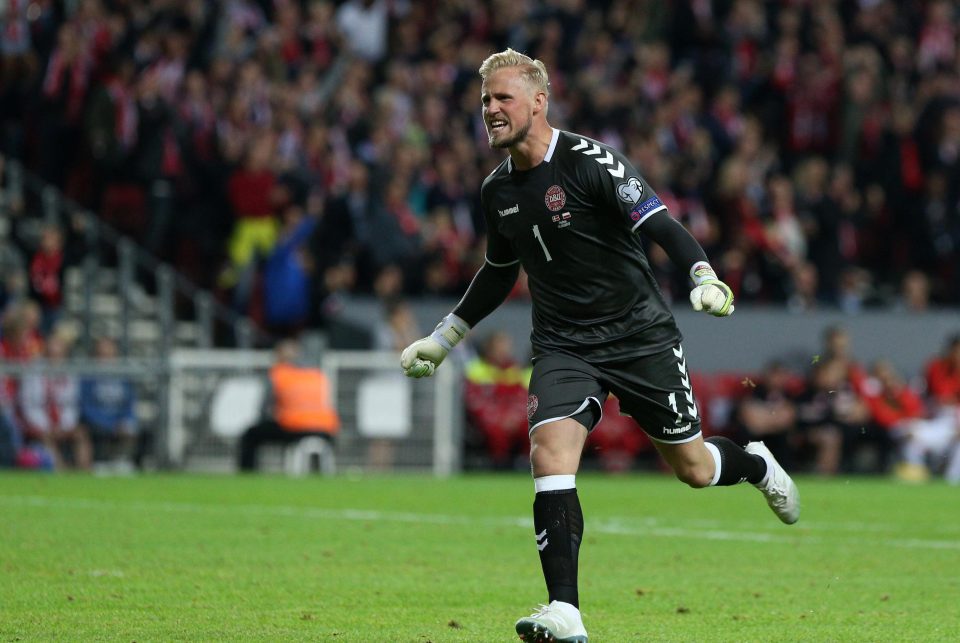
(176, 405)
(131, 259)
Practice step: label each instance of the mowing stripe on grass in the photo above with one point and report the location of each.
(634, 527)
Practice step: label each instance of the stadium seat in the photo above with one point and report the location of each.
(236, 405)
(383, 406)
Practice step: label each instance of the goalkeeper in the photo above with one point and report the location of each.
(572, 211)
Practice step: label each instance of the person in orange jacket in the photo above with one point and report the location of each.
(299, 404)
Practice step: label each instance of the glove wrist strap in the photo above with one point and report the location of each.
(701, 272)
(450, 331)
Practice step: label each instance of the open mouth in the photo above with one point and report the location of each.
(497, 125)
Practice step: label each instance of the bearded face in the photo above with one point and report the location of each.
(508, 104)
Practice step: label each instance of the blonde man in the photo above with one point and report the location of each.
(571, 211)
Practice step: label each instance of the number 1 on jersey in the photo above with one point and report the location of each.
(536, 233)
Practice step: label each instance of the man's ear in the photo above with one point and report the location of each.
(539, 102)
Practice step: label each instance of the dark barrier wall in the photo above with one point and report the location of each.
(744, 341)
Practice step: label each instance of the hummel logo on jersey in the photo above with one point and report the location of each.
(676, 430)
(595, 150)
(512, 210)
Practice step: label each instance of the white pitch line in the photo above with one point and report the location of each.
(645, 528)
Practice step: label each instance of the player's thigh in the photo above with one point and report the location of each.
(564, 404)
(555, 447)
(563, 386)
(656, 391)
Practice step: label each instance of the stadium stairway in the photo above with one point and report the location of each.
(145, 333)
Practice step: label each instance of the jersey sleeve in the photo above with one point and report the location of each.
(499, 253)
(494, 281)
(616, 184)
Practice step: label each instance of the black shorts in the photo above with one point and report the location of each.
(654, 389)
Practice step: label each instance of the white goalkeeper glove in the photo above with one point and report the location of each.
(709, 294)
(421, 358)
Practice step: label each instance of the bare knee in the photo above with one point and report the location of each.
(696, 475)
(691, 461)
(555, 448)
(549, 459)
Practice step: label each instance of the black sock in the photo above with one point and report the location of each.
(736, 465)
(558, 524)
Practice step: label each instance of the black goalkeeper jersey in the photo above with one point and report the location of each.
(572, 223)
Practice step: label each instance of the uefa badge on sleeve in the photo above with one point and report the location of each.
(630, 190)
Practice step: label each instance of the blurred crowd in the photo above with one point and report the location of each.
(52, 417)
(285, 152)
(833, 415)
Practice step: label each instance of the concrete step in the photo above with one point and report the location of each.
(144, 330)
(186, 333)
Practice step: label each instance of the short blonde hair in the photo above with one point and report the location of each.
(533, 71)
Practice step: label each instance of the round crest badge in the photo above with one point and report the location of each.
(555, 198)
(532, 404)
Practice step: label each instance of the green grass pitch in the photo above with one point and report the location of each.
(412, 558)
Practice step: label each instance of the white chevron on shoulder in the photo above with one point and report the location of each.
(596, 150)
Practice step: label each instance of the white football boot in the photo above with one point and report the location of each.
(777, 486)
(557, 622)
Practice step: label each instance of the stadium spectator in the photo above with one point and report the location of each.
(157, 160)
(19, 343)
(830, 413)
(931, 443)
(914, 293)
(20, 339)
(837, 347)
(14, 282)
(66, 80)
(893, 404)
(347, 229)
(496, 399)
(287, 272)
(49, 409)
(768, 410)
(928, 444)
(811, 149)
(46, 276)
(254, 195)
(298, 404)
(108, 409)
(399, 325)
(364, 27)
(943, 375)
(803, 286)
(182, 95)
